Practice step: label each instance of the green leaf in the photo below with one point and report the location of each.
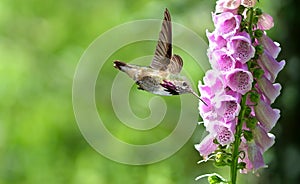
(215, 179)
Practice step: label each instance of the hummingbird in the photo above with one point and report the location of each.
(162, 77)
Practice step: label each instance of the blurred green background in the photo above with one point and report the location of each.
(41, 43)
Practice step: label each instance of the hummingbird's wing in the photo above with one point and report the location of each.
(176, 64)
(163, 51)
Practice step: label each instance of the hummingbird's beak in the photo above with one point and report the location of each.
(195, 94)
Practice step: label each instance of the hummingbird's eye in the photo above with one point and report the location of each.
(184, 84)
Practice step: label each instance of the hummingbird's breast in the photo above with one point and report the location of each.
(151, 80)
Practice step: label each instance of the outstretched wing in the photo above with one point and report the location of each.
(163, 51)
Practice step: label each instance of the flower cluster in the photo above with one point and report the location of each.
(240, 88)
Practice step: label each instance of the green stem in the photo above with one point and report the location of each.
(250, 23)
(239, 127)
(237, 142)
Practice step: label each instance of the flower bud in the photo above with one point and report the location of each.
(258, 11)
(259, 49)
(258, 33)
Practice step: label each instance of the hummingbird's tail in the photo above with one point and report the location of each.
(119, 64)
(130, 70)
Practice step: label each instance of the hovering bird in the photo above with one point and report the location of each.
(162, 77)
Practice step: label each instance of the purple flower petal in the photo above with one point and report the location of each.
(248, 3)
(270, 91)
(222, 61)
(240, 80)
(206, 146)
(266, 115)
(224, 136)
(241, 47)
(220, 98)
(255, 155)
(214, 81)
(226, 23)
(207, 111)
(265, 21)
(228, 6)
(272, 47)
(263, 139)
(215, 41)
(268, 63)
(229, 110)
(205, 91)
(221, 131)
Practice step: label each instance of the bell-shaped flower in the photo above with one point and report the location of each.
(265, 21)
(222, 61)
(222, 132)
(228, 5)
(269, 45)
(269, 90)
(215, 82)
(270, 65)
(248, 3)
(207, 112)
(262, 138)
(241, 48)
(266, 115)
(217, 130)
(208, 93)
(224, 135)
(226, 24)
(215, 41)
(239, 80)
(229, 108)
(255, 148)
(255, 156)
(207, 146)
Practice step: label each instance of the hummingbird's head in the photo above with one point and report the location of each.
(177, 87)
(183, 87)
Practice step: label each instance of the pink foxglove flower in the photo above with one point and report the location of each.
(268, 90)
(215, 41)
(207, 146)
(248, 3)
(270, 65)
(240, 88)
(269, 45)
(221, 60)
(241, 48)
(222, 132)
(266, 115)
(253, 157)
(255, 148)
(265, 22)
(239, 80)
(227, 6)
(227, 24)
